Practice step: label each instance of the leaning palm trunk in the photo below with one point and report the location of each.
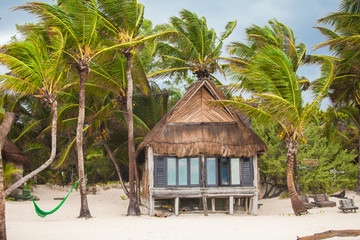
(53, 102)
(296, 203)
(296, 174)
(117, 168)
(83, 69)
(4, 131)
(133, 208)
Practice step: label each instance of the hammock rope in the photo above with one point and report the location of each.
(42, 213)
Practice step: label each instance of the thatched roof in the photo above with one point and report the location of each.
(12, 154)
(193, 127)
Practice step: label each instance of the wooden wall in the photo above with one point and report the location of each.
(202, 191)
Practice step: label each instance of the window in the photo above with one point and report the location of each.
(229, 172)
(211, 171)
(182, 172)
(235, 171)
(186, 172)
(195, 171)
(171, 171)
(224, 172)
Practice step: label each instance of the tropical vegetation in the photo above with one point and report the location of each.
(86, 83)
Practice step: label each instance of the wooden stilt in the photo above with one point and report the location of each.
(176, 206)
(231, 205)
(251, 204)
(205, 206)
(151, 206)
(213, 205)
(254, 209)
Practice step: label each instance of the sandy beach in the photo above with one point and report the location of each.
(275, 220)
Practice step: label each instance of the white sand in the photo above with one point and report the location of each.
(275, 220)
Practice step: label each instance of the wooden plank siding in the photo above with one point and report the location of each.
(201, 192)
(199, 109)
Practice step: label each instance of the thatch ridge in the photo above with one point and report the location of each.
(211, 138)
(12, 154)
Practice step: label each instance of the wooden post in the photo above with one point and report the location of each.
(203, 180)
(255, 167)
(151, 205)
(150, 161)
(176, 206)
(251, 200)
(231, 205)
(254, 202)
(213, 205)
(254, 209)
(205, 206)
(203, 184)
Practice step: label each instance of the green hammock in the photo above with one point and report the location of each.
(42, 213)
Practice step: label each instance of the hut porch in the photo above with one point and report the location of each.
(231, 195)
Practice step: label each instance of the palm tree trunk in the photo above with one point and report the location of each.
(111, 155)
(5, 127)
(296, 175)
(133, 209)
(52, 154)
(137, 179)
(357, 188)
(83, 70)
(296, 203)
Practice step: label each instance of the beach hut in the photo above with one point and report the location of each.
(201, 151)
(12, 154)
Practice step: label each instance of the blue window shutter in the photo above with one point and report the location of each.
(159, 172)
(247, 172)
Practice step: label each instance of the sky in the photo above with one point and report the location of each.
(300, 15)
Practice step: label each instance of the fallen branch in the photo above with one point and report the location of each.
(332, 233)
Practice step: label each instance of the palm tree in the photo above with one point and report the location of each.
(111, 76)
(5, 126)
(123, 20)
(343, 41)
(77, 20)
(36, 68)
(270, 76)
(196, 49)
(274, 34)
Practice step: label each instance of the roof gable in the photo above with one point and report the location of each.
(215, 130)
(197, 108)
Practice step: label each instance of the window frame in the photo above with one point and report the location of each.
(216, 172)
(228, 169)
(218, 175)
(240, 172)
(188, 170)
(166, 171)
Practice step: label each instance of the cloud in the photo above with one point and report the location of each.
(9, 18)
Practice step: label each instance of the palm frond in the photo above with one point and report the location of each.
(321, 85)
(27, 129)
